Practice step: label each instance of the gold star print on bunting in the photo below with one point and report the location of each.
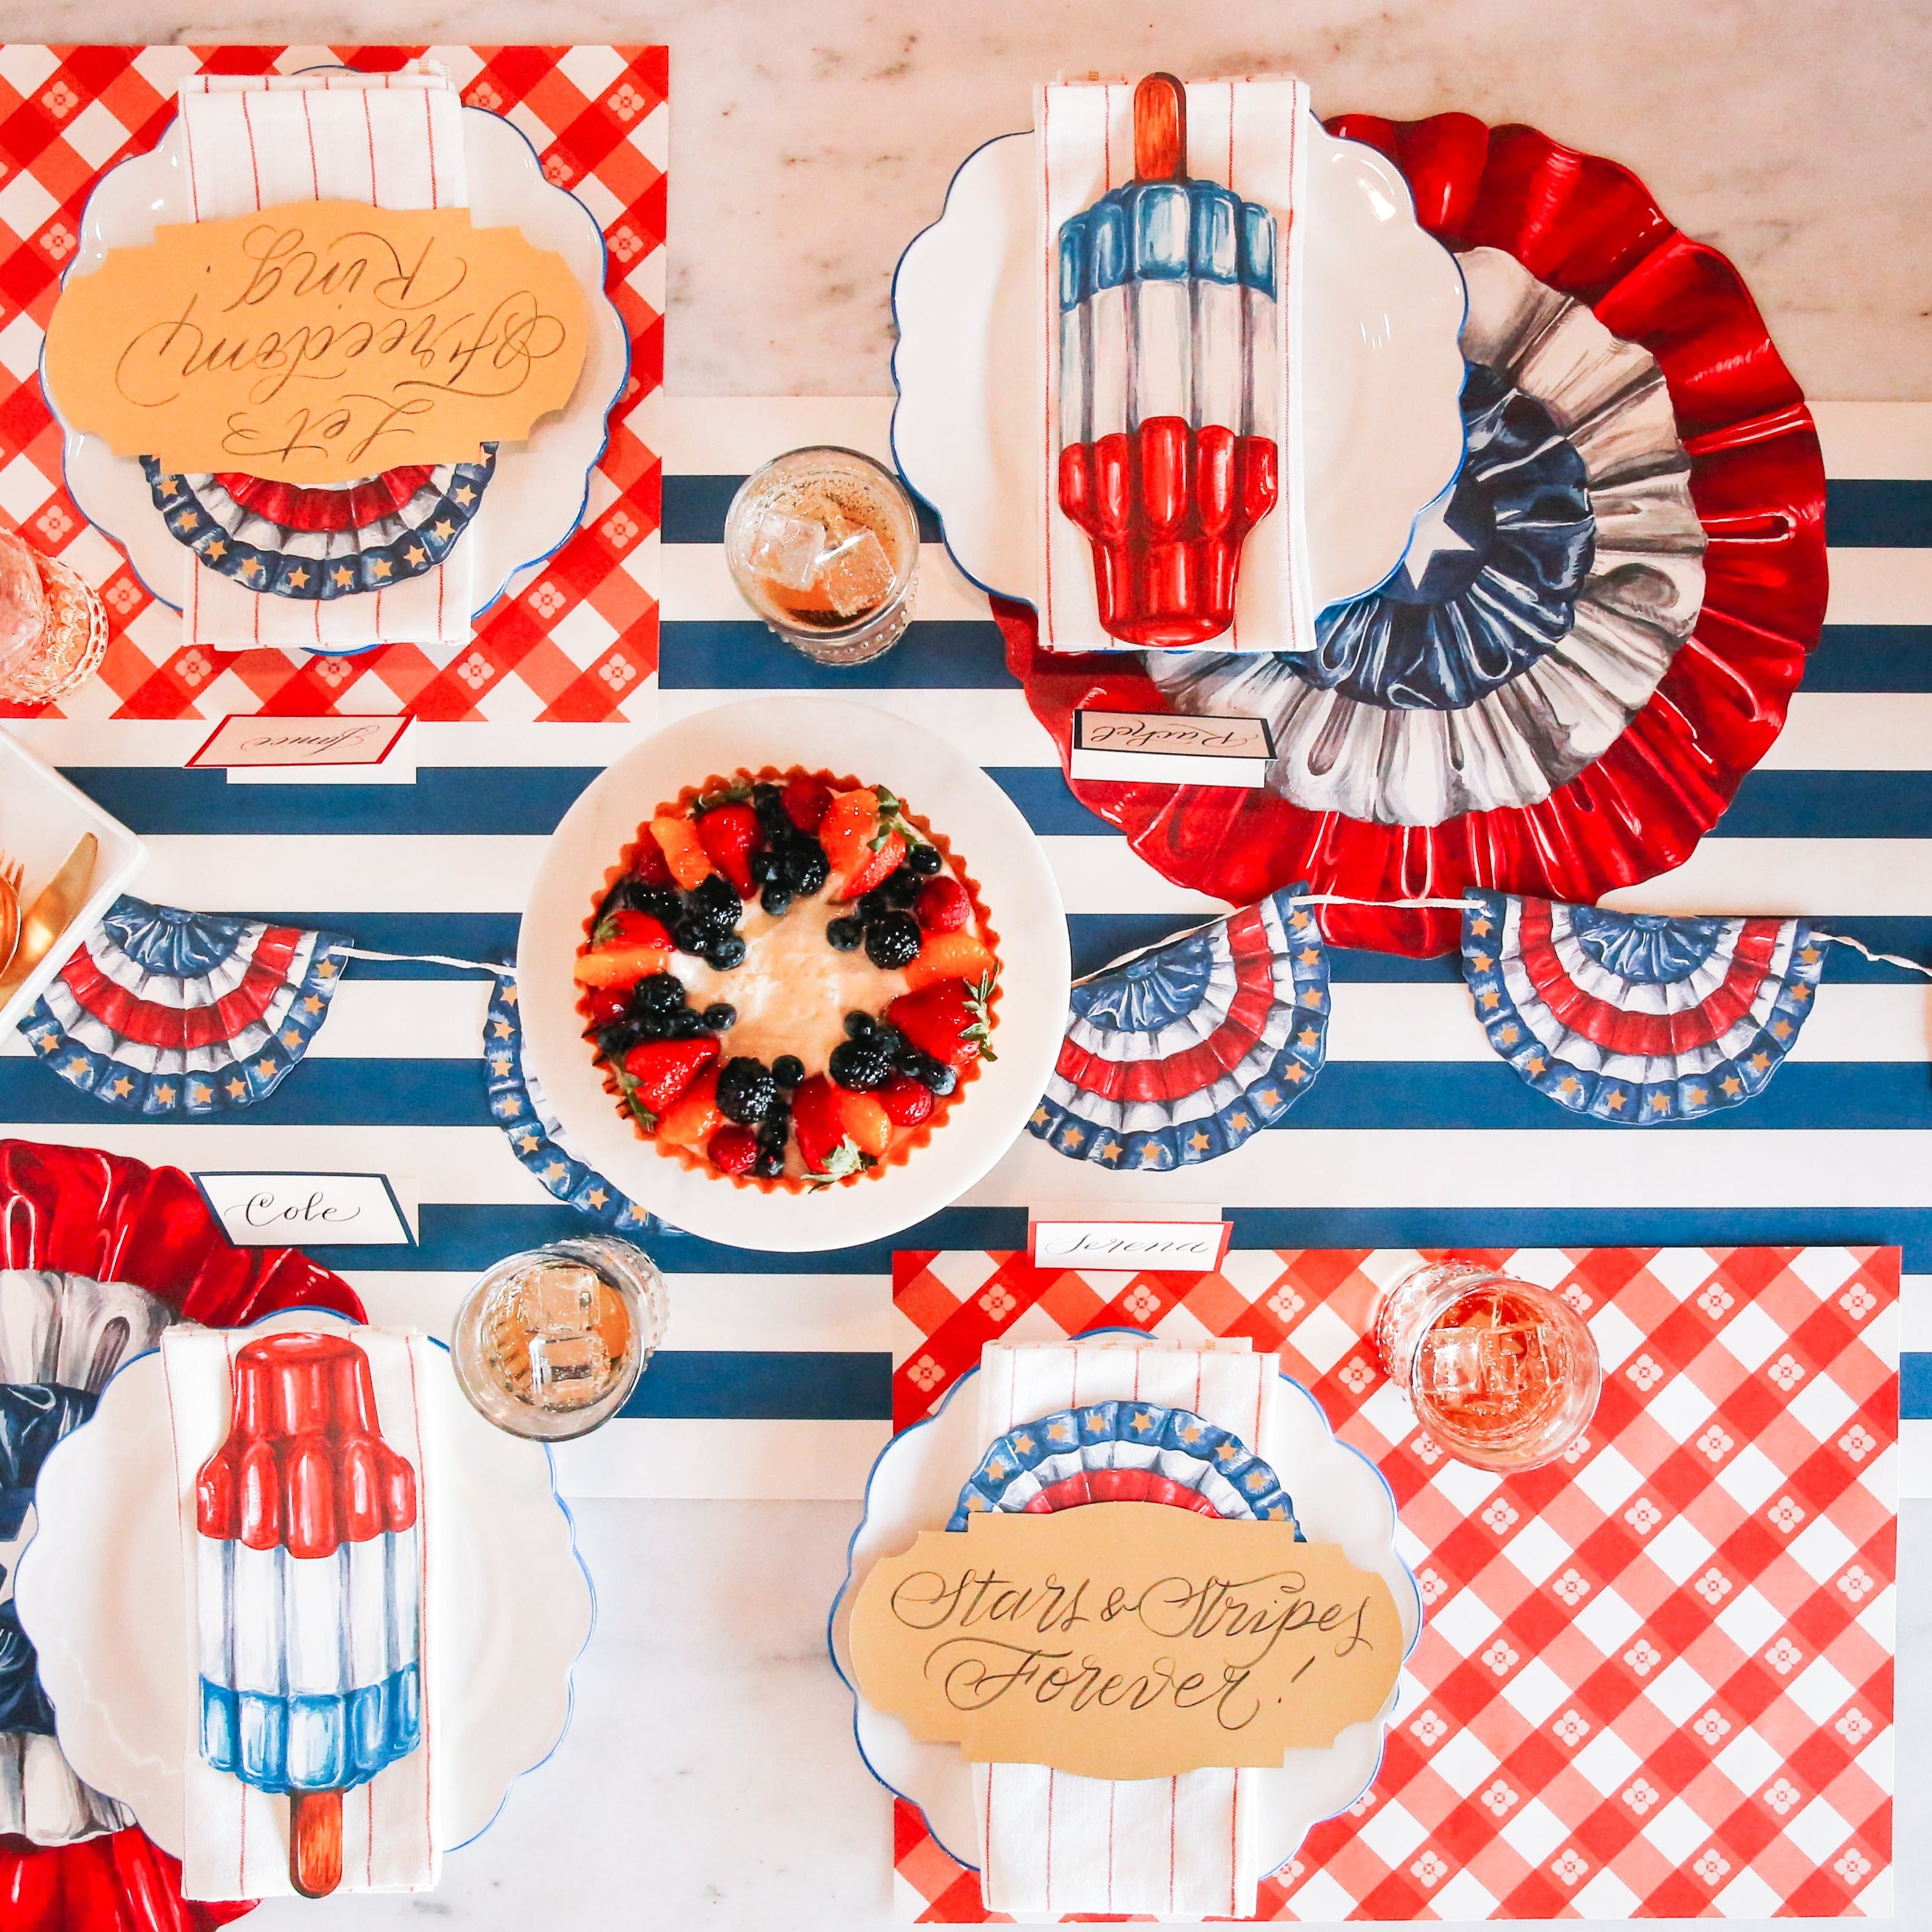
(1072, 1137)
(216, 551)
(1308, 1036)
(597, 1197)
(311, 1004)
(529, 1143)
(1294, 1073)
(1615, 1101)
(343, 576)
(1199, 1141)
(555, 1171)
(1239, 1122)
(198, 1096)
(502, 1029)
(445, 528)
(509, 995)
(265, 1068)
(1510, 1035)
(1481, 926)
(1039, 1116)
(123, 1087)
(382, 568)
(416, 554)
(466, 495)
(1112, 1150)
(1731, 1085)
(165, 1094)
(1536, 1063)
(1760, 1063)
(1695, 1097)
(1659, 1103)
(77, 1065)
(299, 578)
(292, 1037)
(251, 566)
(1270, 1096)
(238, 1090)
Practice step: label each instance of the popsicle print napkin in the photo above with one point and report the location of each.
(1250, 136)
(392, 140)
(292, 1655)
(1051, 1842)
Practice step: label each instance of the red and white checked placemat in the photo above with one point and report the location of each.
(582, 638)
(1655, 1679)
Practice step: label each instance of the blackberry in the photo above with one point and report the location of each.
(746, 1091)
(621, 898)
(774, 1126)
(769, 1164)
(889, 1037)
(873, 905)
(693, 935)
(723, 954)
(776, 901)
(657, 993)
(685, 1024)
(764, 865)
(924, 860)
(716, 899)
(858, 1025)
(787, 1069)
(860, 1065)
(614, 1042)
(845, 935)
(901, 888)
(652, 1026)
(720, 1015)
(767, 798)
(804, 868)
(893, 942)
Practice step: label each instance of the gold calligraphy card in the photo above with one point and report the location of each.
(317, 342)
(1125, 1640)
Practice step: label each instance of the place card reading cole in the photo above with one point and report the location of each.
(292, 1210)
(1167, 747)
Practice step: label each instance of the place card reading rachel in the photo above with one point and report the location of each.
(317, 342)
(1125, 1640)
(300, 743)
(1183, 1246)
(294, 1211)
(1165, 747)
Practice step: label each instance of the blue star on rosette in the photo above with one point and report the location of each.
(1635, 1018)
(1176, 1443)
(1180, 1053)
(518, 1104)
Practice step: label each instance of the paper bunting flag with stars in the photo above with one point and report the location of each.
(518, 1103)
(162, 1012)
(1176, 1055)
(1634, 1018)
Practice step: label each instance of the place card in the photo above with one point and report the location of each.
(1171, 748)
(284, 745)
(1178, 1246)
(292, 1211)
(1125, 1640)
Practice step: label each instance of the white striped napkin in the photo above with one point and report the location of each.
(1251, 136)
(393, 140)
(1049, 1841)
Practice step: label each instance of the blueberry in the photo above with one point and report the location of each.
(716, 899)
(614, 1042)
(893, 941)
(658, 993)
(845, 935)
(873, 905)
(908, 1059)
(930, 1071)
(693, 935)
(923, 859)
(858, 1025)
(787, 1069)
(774, 1127)
(901, 888)
(764, 866)
(943, 1079)
(723, 954)
(804, 868)
(721, 1015)
(776, 901)
(769, 1164)
(684, 1025)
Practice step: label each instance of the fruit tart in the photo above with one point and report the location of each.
(789, 978)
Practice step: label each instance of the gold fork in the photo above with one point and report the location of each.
(10, 875)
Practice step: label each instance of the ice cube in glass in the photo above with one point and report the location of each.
(856, 574)
(786, 549)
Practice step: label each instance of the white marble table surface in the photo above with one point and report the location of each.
(709, 1778)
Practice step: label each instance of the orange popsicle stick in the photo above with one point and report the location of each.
(315, 1842)
(1160, 129)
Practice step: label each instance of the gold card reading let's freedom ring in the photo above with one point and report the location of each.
(317, 342)
(1125, 1640)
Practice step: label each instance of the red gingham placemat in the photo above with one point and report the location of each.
(582, 638)
(1654, 1679)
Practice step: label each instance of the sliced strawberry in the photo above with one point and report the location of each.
(867, 1124)
(818, 1123)
(950, 956)
(684, 852)
(878, 866)
(948, 1020)
(659, 1070)
(806, 801)
(846, 831)
(647, 860)
(728, 835)
(694, 1117)
(733, 1149)
(625, 947)
(907, 1101)
(943, 905)
(608, 1003)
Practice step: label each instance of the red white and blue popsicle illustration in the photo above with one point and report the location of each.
(1169, 344)
(309, 1590)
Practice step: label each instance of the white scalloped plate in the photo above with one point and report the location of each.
(1339, 1497)
(100, 1594)
(958, 800)
(1381, 424)
(536, 497)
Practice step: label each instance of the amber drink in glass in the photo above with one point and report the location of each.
(1501, 1372)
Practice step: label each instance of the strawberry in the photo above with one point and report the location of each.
(647, 860)
(728, 835)
(948, 1020)
(694, 1117)
(818, 1122)
(608, 1003)
(942, 905)
(625, 947)
(806, 801)
(657, 1071)
(683, 851)
(866, 1123)
(733, 1149)
(950, 955)
(907, 1101)
(879, 865)
(847, 828)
